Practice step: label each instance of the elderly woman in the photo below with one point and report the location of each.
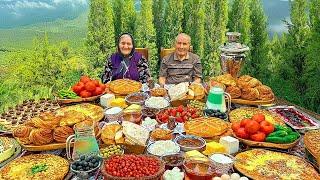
(126, 63)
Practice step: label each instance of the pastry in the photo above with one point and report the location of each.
(234, 91)
(108, 133)
(60, 134)
(312, 143)
(265, 92)
(247, 81)
(71, 117)
(226, 79)
(22, 131)
(206, 127)
(161, 134)
(46, 120)
(265, 165)
(198, 90)
(36, 167)
(158, 92)
(88, 110)
(7, 148)
(135, 133)
(41, 136)
(124, 86)
(250, 94)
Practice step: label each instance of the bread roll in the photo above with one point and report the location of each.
(41, 136)
(234, 91)
(265, 92)
(251, 94)
(22, 131)
(60, 134)
(247, 81)
(226, 79)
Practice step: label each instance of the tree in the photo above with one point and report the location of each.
(239, 20)
(194, 17)
(117, 16)
(312, 63)
(172, 22)
(258, 66)
(100, 37)
(146, 35)
(128, 17)
(215, 29)
(158, 20)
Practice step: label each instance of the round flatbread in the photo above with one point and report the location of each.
(247, 112)
(36, 167)
(265, 165)
(124, 86)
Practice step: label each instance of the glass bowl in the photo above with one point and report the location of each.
(136, 98)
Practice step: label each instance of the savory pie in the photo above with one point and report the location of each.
(124, 86)
(206, 127)
(7, 148)
(247, 112)
(265, 165)
(36, 167)
(312, 143)
(226, 79)
(92, 111)
(198, 90)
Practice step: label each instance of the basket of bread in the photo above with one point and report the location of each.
(133, 137)
(246, 89)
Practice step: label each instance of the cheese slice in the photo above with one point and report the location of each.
(230, 144)
(214, 147)
(196, 155)
(106, 99)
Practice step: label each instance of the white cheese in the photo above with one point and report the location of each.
(174, 174)
(230, 144)
(106, 99)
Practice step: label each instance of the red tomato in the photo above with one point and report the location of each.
(85, 94)
(267, 129)
(241, 133)
(173, 112)
(179, 119)
(90, 86)
(96, 82)
(85, 79)
(244, 122)
(193, 116)
(235, 126)
(180, 109)
(259, 136)
(252, 127)
(258, 117)
(102, 86)
(98, 91)
(265, 123)
(77, 89)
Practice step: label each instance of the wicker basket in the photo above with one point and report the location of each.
(157, 176)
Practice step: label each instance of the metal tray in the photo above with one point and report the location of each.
(311, 119)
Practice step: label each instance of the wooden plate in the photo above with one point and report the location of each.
(248, 102)
(78, 100)
(268, 144)
(46, 147)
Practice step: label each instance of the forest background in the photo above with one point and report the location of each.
(289, 63)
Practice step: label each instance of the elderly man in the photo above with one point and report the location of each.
(181, 65)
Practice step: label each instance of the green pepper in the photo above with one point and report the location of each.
(280, 133)
(290, 138)
(275, 139)
(283, 128)
(295, 134)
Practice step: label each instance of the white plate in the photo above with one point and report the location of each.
(178, 129)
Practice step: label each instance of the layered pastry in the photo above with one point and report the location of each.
(226, 79)
(247, 81)
(206, 127)
(234, 91)
(46, 121)
(6, 148)
(265, 92)
(158, 92)
(250, 94)
(178, 91)
(161, 134)
(198, 91)
(60, 134)
(41, 136)
(312, 143)
(124, 86)
(108, 133)
(71, 117)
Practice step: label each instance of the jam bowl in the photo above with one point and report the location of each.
(199, 168)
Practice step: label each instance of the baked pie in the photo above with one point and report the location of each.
(158, 92)
(226, 79)
(312, 142)
(265, 165)
(124, 86)
(206, 127)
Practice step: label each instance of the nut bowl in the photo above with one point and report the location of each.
(190, 142)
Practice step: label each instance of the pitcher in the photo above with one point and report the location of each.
(216, 99)
(84, 140)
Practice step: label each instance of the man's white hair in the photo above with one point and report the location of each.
(184, 35)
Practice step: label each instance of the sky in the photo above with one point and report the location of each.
(14, 13)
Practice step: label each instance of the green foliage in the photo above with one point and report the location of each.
(117, 16)
(128, 17)
(258, 66)
(146, 35)
(158, 20)
(215, 28)
(194, 17)
(172, 22)
(100, 38)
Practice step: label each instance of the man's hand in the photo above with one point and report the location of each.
(197, 80)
